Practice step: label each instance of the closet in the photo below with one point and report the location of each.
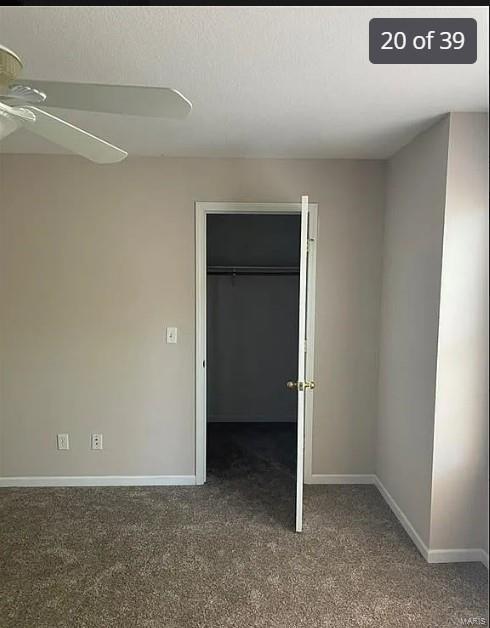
(252, 340)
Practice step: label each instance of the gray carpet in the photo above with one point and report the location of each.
(221, 556)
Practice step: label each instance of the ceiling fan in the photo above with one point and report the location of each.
(19, 97)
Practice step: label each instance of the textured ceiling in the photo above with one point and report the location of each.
(264, 81)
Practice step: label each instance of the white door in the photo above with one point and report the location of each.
(302, 387)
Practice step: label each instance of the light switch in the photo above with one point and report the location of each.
(172, 335)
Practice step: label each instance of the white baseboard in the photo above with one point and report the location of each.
(403, 519)
(430, 555)
(484, 558)
(330, 478)
(99, 480)
(458, 556)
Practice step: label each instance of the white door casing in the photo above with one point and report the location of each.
(302, 352)
(306, 329)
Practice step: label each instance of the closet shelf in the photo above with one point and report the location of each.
(253, 270)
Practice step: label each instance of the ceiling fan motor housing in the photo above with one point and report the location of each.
(10, 66)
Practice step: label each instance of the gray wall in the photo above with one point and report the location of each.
(415, 199)
(252, 347)
(432, 432)
(96, 261)
(459, 516)
(252, 337)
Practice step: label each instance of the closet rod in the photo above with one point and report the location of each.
(253, 270)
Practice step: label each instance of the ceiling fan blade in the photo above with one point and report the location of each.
(155, 102)
(74, 139)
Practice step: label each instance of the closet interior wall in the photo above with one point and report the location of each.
(252, 317)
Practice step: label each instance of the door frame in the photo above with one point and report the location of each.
(201, 212)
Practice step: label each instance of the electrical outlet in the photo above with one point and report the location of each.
(63, 441)
(96, 441)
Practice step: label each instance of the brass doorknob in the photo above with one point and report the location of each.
(300, 385)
